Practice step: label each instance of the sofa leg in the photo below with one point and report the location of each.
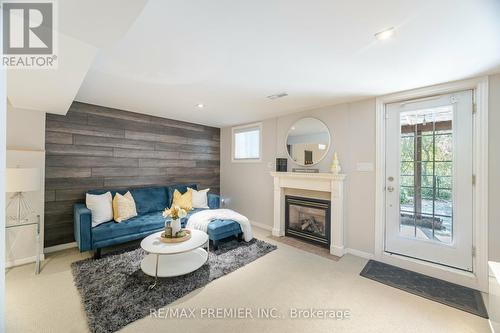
(240, 237)
(215, 245)
(97, 253)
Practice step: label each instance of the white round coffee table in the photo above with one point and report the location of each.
(174, 259)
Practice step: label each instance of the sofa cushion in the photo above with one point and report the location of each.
(199, 198)
(142, 223)
(101, 207)
(150, 199)
(184, 201)
(181, 188)
(148, 222)
(124, 207)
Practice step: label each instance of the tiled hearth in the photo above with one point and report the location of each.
(307, 247)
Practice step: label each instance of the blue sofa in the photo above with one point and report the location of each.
(150, 203)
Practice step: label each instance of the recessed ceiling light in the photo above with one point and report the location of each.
(200, 106)
(385, 34)
(276, 96)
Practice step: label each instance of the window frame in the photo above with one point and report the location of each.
(240, 129)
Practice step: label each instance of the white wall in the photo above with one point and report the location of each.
(248, 187)
(25, 148)
(3, 137)
(494, 167)
(25, 129)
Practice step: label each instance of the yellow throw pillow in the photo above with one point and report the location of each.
(123, 207)
(185, 201)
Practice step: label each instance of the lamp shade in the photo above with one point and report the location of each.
(22, 179)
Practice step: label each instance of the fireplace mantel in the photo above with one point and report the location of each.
(325, 182)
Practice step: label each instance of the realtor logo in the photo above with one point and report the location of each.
(28, 34)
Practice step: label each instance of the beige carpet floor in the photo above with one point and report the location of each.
(284, 279)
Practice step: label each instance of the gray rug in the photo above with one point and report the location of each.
(441, 291)
(114, 290)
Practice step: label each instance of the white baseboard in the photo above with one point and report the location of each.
(23, 261)
(261, 225)
(493, 327)
(59, 247)
(359, 253)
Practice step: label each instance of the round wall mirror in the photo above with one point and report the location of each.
(308, 141)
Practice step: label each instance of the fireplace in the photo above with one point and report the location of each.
(308, 219)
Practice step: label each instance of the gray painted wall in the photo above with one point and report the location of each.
(96, 147)
(352, 128)
(248, 187)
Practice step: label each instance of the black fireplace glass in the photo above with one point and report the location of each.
(308, 219)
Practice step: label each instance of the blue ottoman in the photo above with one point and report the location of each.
(220, 229)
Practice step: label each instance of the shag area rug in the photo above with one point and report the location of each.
(115, 291)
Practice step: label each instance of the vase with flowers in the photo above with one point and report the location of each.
(173, 218)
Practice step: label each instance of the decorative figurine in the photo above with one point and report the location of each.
(168, 230)
(336, 168)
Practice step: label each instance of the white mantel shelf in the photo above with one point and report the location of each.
(325, 182)
(312, 175)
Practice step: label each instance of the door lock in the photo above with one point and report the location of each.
(390, 188)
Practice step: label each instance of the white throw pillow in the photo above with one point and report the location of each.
(199, 198)
(101, 206)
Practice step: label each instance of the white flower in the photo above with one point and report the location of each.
(182, 213)
(175, 212)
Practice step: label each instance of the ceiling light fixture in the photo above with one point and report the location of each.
(385, 34)
(276, 96)
(200, 106)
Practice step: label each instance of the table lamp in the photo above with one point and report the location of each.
(19, 181)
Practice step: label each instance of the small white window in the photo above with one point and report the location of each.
(247, 143)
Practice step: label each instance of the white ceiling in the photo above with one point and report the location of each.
(83, 27)
(230, 55)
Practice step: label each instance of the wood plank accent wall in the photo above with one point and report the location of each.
(95, 147)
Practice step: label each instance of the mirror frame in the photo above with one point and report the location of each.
(327, 149)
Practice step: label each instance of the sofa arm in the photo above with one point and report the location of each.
(213, 201)
(82, 223)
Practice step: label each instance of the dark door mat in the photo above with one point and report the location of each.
(463, 298)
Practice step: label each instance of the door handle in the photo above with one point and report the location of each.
(390, 188)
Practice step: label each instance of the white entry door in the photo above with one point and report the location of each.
(429, 179)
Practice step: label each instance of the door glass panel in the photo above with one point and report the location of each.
(426, 186)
